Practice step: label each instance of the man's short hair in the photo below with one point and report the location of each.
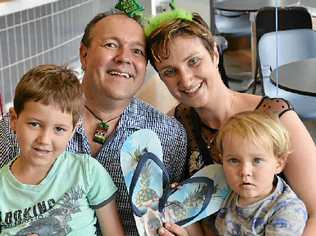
(50, 85)
(86, 38)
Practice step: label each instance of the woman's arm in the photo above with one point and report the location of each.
(300, 169)
(109, 220)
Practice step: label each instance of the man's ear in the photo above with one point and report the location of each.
(281, 162)
(13, 118)
(83, 56)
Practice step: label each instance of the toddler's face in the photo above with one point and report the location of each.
(43, 132)
(249, 168)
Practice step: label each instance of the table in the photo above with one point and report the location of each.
(252, 6)
(298, 77)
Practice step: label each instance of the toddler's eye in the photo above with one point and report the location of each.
(258, 160)
(233, 161)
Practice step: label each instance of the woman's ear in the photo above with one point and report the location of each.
(13, 118)
(215, 55)
(281, 162)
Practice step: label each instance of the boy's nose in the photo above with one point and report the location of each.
(43, 137)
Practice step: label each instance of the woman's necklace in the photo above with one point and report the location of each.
(102, 128)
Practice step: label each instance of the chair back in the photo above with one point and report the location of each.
(293, 45)
(295, 17)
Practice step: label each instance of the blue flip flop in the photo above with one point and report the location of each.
(153, 201)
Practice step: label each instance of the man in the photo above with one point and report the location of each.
(113, 57)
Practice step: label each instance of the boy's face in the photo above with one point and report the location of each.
(43, 132)
(249, 168)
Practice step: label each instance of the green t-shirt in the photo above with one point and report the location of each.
(63, 203)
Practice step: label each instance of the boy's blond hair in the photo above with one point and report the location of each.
(50, 85)
(258, 127)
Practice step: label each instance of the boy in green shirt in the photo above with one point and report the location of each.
(46, 190)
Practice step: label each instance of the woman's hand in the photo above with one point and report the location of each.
(170, 229)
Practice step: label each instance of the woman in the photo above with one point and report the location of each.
(183, 52)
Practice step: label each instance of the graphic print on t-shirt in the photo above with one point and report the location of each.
(48, 217)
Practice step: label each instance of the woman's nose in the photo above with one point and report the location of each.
(186, 79)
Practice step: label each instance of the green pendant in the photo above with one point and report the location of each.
(100, 133)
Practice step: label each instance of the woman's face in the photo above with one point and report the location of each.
(190, 73)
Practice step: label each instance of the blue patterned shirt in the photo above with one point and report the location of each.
(138, 115)
(279, 214)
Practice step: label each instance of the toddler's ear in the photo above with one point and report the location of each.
(13, 118)
(281, 163)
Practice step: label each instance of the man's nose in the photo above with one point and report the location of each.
(123, 55)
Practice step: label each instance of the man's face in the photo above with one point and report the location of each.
(115, 61)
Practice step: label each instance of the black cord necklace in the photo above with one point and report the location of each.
(102, 128)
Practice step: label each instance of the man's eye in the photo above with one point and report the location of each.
(139, 51)
(168, 72)
(194, 60)
(110, 45)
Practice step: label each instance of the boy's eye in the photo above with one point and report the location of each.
(169, 72)
(194, 60)
(60, 130)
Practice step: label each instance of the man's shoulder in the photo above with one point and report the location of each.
(151, 113)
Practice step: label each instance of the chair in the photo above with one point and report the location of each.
(295, 17)
(293, 45)
(229, 24)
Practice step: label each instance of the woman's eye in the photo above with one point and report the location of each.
(33, 124)
(194, 60)
(169, 72)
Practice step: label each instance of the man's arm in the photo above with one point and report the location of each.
(8, 144)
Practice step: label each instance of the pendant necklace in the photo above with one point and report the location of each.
(102, 127)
